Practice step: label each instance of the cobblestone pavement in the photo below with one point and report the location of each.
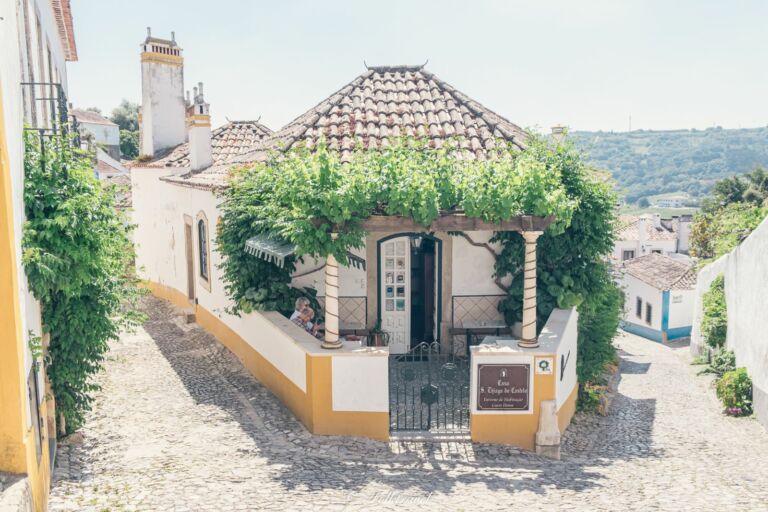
(180, 425)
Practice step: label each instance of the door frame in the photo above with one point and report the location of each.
(439, 256)
(189, 256)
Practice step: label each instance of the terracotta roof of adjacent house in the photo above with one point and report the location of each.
(628, 228)
(384, 102)
(62, 11)
(89, 116)
(227, 142)
(661, 272)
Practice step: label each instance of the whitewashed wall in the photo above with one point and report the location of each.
(103, 133)
(681, 308)
(746, 281)
(563, 324)
(352, 280)
(473, 267)
(634, 288)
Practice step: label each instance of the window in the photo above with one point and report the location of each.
(627, 255)
(656, 251)
(639, 308)
(648, 313)
(202, 247)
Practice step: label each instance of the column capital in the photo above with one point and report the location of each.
(531, 236)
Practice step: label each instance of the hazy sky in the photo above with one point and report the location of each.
(588, 64)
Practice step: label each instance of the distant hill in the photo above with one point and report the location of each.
(647, 162)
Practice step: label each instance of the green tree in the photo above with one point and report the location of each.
(643, 202)
(129, 144)
(126, 116)
(77, 254)
(571, 268)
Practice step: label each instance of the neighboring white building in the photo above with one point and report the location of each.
(659, 294)
(103, 132)
(677, 201)
(646, 234)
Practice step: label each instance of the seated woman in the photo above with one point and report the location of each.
(304, 320)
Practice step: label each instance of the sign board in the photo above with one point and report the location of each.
(503, 387)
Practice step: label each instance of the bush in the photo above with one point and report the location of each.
(714, 324)
(78, 259)
(734, 389)
(722, 362)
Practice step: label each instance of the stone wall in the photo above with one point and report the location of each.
(746, 278)
(15, 493)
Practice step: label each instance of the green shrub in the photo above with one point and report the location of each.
(734, 389)
(722, 362)
(714, 324)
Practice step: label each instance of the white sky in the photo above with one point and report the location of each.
(588, 64)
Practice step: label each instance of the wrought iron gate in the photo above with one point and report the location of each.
(428, 390)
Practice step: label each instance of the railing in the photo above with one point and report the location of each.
(472, 317)
(55, 119)
(353, 312)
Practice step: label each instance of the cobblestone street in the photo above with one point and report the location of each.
(181, 425)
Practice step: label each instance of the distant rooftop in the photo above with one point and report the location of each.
(88, 116)
(661, 272)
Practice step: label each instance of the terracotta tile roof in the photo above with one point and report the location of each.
(227, 142)
(384, 102)
(88, 116)
(661, 272)
(62, 11)
(122, 183)
(628, 228)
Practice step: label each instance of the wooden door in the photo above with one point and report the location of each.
(190, 255)
(395, 276)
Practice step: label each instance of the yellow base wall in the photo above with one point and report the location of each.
(515, 429)
(567, 410)
(313, 408)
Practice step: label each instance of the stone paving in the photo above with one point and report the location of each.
(180, 425)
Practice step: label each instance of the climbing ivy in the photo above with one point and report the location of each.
(304, 195)
(714, 323)
(78, 257)
(571, 260)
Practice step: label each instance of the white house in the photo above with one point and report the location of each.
(673, 201)
(432, 289)
(102, 131)
(659, 293)
(646, 234)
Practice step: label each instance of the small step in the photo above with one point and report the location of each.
(189, 315)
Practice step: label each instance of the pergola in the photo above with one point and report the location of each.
(529, 227)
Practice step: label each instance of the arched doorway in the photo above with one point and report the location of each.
(409, 289)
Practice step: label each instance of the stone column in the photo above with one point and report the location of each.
(331, 301)
(529, 339)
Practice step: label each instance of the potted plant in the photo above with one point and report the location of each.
(378, 337)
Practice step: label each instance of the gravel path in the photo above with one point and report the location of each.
(181, 425)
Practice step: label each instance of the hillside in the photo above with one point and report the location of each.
(646, 163)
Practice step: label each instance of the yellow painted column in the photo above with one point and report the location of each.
(12, 381)
(529, 339)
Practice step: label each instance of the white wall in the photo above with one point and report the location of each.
(634, 288)
(473, 267)
(162, 107)
(360, 383)
(563, 324)
(746, 276)
(103, 133)
(681, 308)
(352, 280)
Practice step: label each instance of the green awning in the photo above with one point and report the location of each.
(275, 250)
